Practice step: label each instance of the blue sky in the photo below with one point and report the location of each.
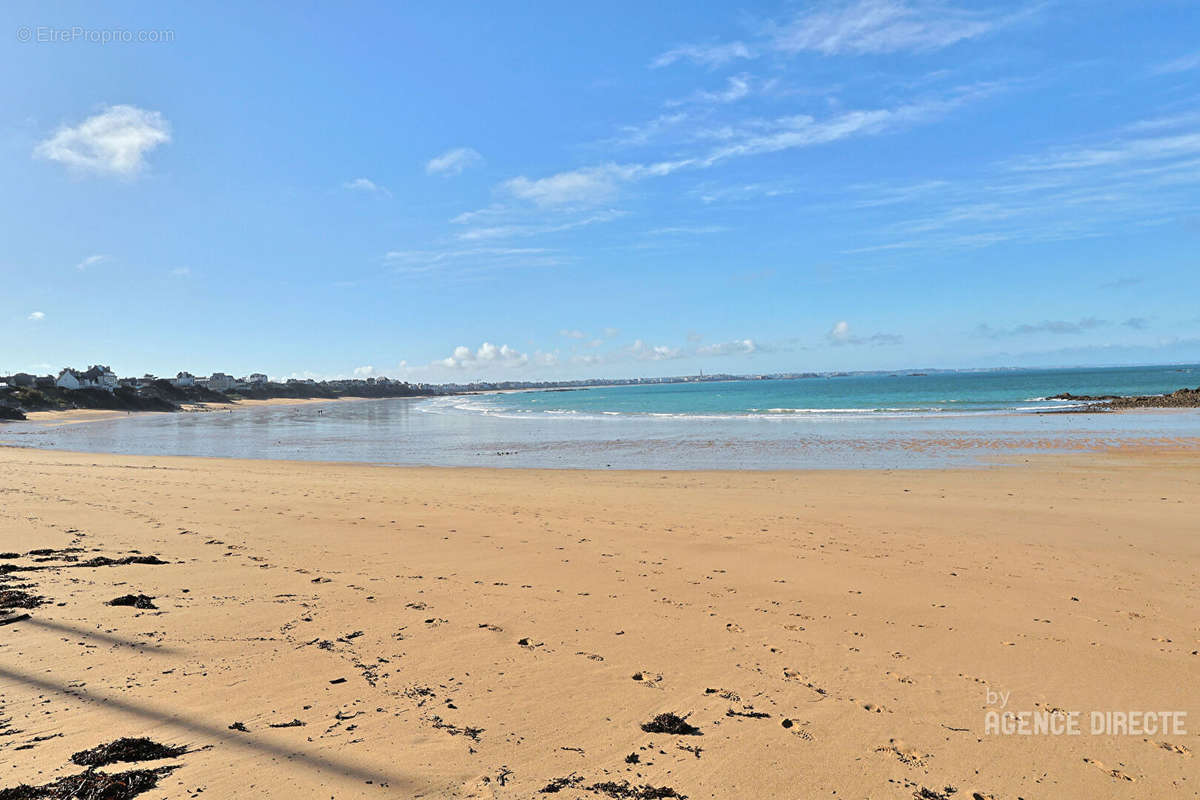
(457, 191)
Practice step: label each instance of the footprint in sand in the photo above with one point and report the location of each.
(906, 755)
(1116, 774)
(1175, 748)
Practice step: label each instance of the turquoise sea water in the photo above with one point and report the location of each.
(853, 421)
(891, 393)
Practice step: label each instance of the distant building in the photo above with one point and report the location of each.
(257, 378)
(101, 378)
(95, 377)
(22, 379)
(68, 379)
(184, 379)
(220, 382)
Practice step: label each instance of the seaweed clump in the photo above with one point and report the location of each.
(91, 785)
(134, 600)
(126, 749)
(672, 724)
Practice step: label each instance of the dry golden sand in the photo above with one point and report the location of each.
(871, 609)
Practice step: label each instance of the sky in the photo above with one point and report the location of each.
(448, 192)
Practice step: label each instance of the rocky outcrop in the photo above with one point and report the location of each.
(1181, 398)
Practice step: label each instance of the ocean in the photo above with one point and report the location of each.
(890, 420)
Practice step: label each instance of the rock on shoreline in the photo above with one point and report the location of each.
(1181, 398)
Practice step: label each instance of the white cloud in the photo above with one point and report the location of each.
(880, 26)
(181, 272)
(644, 352)
(91, 261)
(581, 187)
(572, 334)
(487, 355)
(610, 333)
(705, 55)
(840, 334)
(37, 316)
(366, 185)
(364, 372)
(453, 162)
(113, 142)
(736, 347)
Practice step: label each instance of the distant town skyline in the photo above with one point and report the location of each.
(458, 193)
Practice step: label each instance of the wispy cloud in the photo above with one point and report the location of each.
(1181, 64)
(1058, 327)
(453, 162)
(469, 260)
(595, 185)
(707, 55)
(535, 229)
(92, 261)
(855, 27)
(1145, 149)
(687, 230)
(737, 87)
(366, 185)
(1066, 193)
(113, 142)
(841, 334)
(881, 26)
(37, 316)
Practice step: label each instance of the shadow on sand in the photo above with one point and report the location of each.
(244, 741)
(89, 633)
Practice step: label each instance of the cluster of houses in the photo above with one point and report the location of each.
(99, 376)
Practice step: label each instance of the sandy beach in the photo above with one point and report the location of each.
(348, 631)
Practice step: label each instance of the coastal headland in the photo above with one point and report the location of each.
(315, 630)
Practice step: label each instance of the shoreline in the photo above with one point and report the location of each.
(419, 631)
(70, 416)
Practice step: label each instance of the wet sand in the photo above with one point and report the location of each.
(423, 632)
(71, 416)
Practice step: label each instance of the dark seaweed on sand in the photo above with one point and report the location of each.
(91, 785)
(126, 749)
(626, 791)
(15, 598)
(672, 724)
(558, 784)
(135, 600)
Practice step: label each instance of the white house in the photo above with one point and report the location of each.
(68, 379)
(258, 378)
(184, 379)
